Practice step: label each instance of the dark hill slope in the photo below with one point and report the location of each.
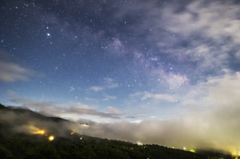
(22, 145)
(18, 120)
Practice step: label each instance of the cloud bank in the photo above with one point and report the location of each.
(214, 128)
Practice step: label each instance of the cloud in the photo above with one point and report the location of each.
(200, 37)
(114, 110)
(212, 28)
(216, 92)
(173, 80)
(12, 72)
(109, 98)
(96, 88)
(213, 19)
(164, 97)
(146, 95)
(109, 83)
(91, 99)
(54, 108)
(78, 110)
(71, 89)
(213, 128)
(168, 79)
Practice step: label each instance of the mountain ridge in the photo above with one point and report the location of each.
(16, 143)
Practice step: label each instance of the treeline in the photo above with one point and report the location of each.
(22, 146)
(17, 145)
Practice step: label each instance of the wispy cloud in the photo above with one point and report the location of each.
(91, 99)
(200, 36)
(54, 108)
(164, 97)
(96, 88)
(109, 98)
(12, 72)
(108, 83)
(114, 110)
(71, 89)
(212, 28)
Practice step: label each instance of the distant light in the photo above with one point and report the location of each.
(42, 132)
(80, 138)
(72, 133)
(35, 130)
(192, 150)
(39, 132)
(184, 148)
(51, 138)
(48, 34)
(139, 143)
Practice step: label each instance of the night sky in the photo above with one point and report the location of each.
(153, 71)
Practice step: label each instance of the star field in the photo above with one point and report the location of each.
(130, 61)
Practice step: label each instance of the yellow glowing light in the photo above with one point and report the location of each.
(72, 133)
(39, 132)
(51, 138)
(184, 148)
(236, 155)
(42, 132)
(139, 143)
(34, 130)
(192, 150)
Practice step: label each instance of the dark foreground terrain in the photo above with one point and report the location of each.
(15, 143)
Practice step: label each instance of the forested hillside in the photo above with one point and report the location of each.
(50, 144)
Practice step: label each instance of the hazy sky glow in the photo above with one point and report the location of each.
(142, 71)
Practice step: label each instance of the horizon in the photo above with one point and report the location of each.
(143, 71)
